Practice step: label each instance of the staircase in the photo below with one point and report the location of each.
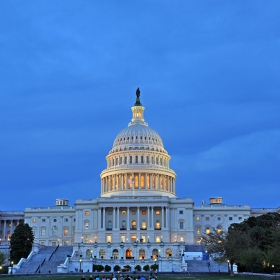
(206, 266)
(47, 259)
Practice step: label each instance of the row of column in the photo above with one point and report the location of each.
(150, 217)
(7, 228)
(137, 181)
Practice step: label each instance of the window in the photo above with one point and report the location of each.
(168, 253)
(34, 220)
(136, 159)
(123, 212)
(65, 231)
(133, 224)
(65, 220)
(198, 218)
(133, 238)
(207, 231)
(130, 159)
(143, 212)
(86, 213)
(158, 224)
(125, 160)
(207, 218)
(219, 218)
(142, 159)
(43, 220)
(43, 231)
(122, 238)
(181, 225)
(198, 231)
(115, 254)
(147, 159)
(86, 225)
(101, 254)
(116, 161)
(141, 254)
(157, 160)
(123, 224)
(157, 238)
(120, 160)
(109, 212)
(109, 225)
(54, 230)
(109, 238)
(239, 218)
(143, 238)
(133, 212)
(182, 239)
(113, 162)
(230, 218)
(181, 212)
(144, 225)
(55, 220)
(157, 212)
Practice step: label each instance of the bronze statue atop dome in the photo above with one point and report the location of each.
(138, 103)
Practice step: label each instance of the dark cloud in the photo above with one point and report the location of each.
(209, 77)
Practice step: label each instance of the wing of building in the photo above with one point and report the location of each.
(138, 215)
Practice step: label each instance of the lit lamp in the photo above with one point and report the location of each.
(80, 260)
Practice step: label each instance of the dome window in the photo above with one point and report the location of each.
(127, 138)
(136, 137)
(140, 137)
(132, 138)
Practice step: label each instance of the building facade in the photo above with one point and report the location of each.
(138, 218)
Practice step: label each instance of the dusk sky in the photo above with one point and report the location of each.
(209, 75)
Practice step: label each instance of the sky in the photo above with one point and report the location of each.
(209, 75)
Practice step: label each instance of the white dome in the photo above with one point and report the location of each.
(140, 135)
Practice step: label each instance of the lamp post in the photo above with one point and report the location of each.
(80, 260)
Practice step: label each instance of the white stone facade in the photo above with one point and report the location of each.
(138, 219)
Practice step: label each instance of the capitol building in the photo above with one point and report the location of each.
(137, 219)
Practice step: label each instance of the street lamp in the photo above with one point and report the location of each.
(80, 260)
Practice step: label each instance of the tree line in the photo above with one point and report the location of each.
(254, 244)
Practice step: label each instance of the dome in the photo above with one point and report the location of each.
(138, 134)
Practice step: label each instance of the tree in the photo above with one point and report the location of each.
(107, 268)
(146, 267)
(3, 258)
(225, 246)
(117, 268)
(252, 258)
(137, 267)
(21, 242)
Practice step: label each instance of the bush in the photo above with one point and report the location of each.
(100, 267)
(137, 267)
(154, 266)
(117, 268)
(146, 267)
(107, 268)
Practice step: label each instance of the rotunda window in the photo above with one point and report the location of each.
(141, 254)
(115, 254)
(102, 254)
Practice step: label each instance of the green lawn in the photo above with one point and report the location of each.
(160, 277)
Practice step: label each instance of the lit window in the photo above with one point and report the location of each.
(86, 213)
(207, 230)
(133, 238)
(143, 212)
(109, 238)
(65, 231)
(158, 238)
(86, 225)
(144, 225)
(157, 212)
(34, 220)
(123, 238)
(198, 231)
(207, 218)
(181, 239)
(143, 238)
(123, 212)
(198, 218)
(157, 224)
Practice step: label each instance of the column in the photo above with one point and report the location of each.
(167, 217)
(138, 218)
(153, 217)
(114, 182)
(114, 217)
(127, 218)
(158, 186)
(122, 176)
(12, 227)
(139, 180)
(99, 217)
(149, 224)
(5, 235)
(126, 181)
(151, 180)
(145, 182)
(104, 222)
(162, 217)
(118, 217)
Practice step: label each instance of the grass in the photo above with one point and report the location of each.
(160, 277)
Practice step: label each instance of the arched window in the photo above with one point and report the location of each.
(115, 254)
(109, 225)
(128, 254)
(168, 253)
(142, 254)
(54, 230)
(43, 231)
(133, 224)
(155, 253)
(157, 224)
(102, 254)
(65, 231)
(88, 253)
(144, 225)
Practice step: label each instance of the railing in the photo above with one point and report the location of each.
(158, 228)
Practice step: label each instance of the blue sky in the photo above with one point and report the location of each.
(209, 78)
